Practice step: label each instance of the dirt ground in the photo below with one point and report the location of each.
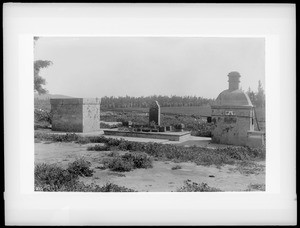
(160, 178)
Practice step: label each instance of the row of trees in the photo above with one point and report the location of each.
(257, 98)
(144, 102)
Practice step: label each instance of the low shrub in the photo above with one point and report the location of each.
(83, 140)
(249, 167)
(53, 178)
(113, 154)
(140, 160)
(42, 115)
(128, 162)
(42, 125)
(68, 137)
(42, 119)
(120, 165)
(99, 147)
(109, 126)
(176, 167)
(80, 167)
(50, 177)
(256, 187)
(109, 187)
(195, 187)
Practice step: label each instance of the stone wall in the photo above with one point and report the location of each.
(75, 114)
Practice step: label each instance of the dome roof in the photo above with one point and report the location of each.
(233, 98)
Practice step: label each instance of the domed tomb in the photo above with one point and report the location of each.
(233, 96)
(232, 114)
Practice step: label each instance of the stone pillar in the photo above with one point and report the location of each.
(75, 114)
(154, 113)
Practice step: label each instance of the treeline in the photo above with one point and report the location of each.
(144, 102)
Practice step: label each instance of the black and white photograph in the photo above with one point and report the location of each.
(149, 114)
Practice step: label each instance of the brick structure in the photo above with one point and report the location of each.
(154, 113)
(75, 114)
(233, 116)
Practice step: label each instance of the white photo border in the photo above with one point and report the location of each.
(276, 23)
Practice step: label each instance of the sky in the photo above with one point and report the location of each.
(144, 66)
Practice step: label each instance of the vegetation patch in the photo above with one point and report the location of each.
(116, 174)
(68, 137)
(176, 167)
(99, 147)
(190, 186)
(140, 160)
(128, 162)
(249, 167)
(109, 187)
(256, 187)
(50, 177)
(109, 126)
(80, 167)
(53, 178)
(120, 165)
(42, 119)
(199, 155)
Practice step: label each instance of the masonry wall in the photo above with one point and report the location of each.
(75, 114)
(231, 124)
(91, 116)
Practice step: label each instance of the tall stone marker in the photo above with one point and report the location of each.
(154, 113)
(75, 114)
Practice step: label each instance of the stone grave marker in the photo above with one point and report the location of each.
(154, 113)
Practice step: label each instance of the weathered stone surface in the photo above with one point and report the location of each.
(154, 113)
(75, 114)
(256, 138)
(232, 129)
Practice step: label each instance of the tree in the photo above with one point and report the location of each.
(251, 96)
(260, 96)
(38, 80)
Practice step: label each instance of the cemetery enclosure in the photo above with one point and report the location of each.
(183, 110)
(170, 114)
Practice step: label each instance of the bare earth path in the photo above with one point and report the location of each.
(160, 178)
